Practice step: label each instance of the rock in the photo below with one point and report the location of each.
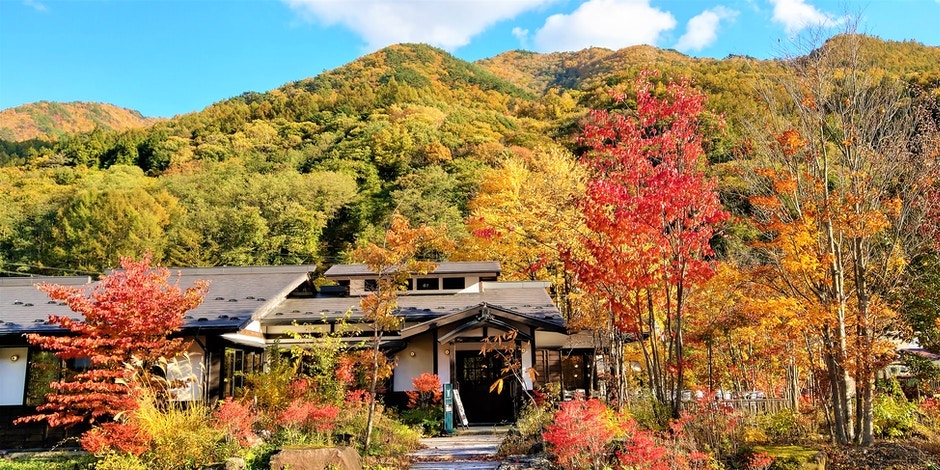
(235, 463)
(341, 458)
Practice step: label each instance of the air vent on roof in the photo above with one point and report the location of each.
(233, 318)
(61, 303)
(278, 314)
(308, 313)
(223, 317)
(295, 311)
(250, 297)
(39, 320)
(260, 299)
(220, 298)
(17, 302)
(50, 302)
(202, 319)
(233, 300)
(188, 317)
(426, 309)
(27, 304)
(526, 305)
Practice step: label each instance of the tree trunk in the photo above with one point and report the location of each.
(377, 339)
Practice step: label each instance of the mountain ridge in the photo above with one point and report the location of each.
(49, 120)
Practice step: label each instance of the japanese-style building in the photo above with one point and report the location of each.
(447, 315)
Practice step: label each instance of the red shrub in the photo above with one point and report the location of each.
(759, 461)
(580, 433)
(125, 437)
(237, 419)
(309, 416)
(427, 391)
(672, 450)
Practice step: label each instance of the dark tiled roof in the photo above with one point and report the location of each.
(447, 267)
(530, 302)
(25, 308)
(235, 294)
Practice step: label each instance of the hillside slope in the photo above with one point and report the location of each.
(48, 120)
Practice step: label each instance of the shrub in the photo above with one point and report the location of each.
(181, 435)
(715, 428)
(389, 437)
(237, 420)
(643, 449)
(113, 461)
(424, 410)
(785, 425)
(304, 420)
(580, 433)
(894, 416)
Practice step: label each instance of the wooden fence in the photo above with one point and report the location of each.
(755, 406)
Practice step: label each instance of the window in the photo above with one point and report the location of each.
(238, 362)
(429, 283)
(44, 368)
(371, 285)
(454, 283)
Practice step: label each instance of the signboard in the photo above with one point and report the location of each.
(461, 414)
(448, 408)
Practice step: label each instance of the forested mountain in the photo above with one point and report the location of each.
(299, 173)
(47, 120)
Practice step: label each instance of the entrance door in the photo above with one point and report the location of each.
(475, 375)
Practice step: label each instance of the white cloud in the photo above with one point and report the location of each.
(36, 5)
(702, 29)
(604, 23)
(523, 35)
(795, 15)
(447, 24)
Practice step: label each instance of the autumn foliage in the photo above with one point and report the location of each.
(580, 433)
(427, 391)
(651, 212)
(129, 314)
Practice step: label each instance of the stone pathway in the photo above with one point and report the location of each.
(473, 449)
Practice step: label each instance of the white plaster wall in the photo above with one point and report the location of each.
(12, 376)
(550, 339)
(357, 287)
(443, 361)
(526, 365)
(473, 285)
(409, 367)
(189, 368)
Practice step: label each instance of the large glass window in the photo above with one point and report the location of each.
(429, 283)
(44, 368)
(238, 362)
(454, 283)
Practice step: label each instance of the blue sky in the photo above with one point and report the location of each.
(168, 57)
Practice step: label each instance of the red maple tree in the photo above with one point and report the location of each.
(130, 314)
(651, 212)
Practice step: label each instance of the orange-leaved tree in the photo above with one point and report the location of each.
(128, 315)
(844, 190)
(394, 262)
(651, 212)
